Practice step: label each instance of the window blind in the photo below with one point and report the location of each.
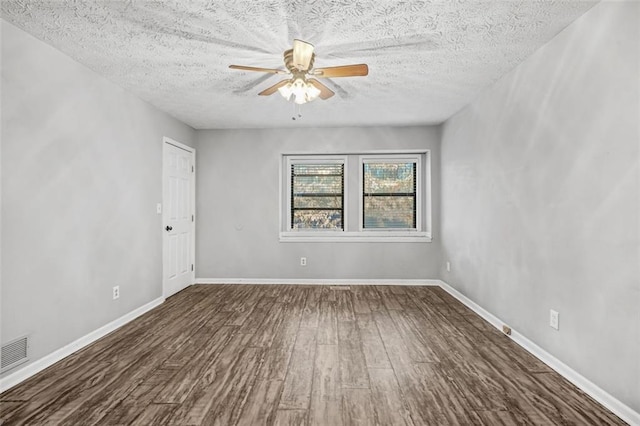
(389, 195)
(317, 194)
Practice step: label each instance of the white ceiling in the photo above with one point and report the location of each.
(427, 59)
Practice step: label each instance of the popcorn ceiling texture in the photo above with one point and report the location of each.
(427, 59)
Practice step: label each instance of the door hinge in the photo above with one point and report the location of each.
(192, 266)
(191, 218)
(193, 169)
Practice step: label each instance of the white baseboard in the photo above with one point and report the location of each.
(313, 281)
(620, 409)
(35, 367)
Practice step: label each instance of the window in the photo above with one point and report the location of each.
(317, 194)
(356, 197)
(389, 197)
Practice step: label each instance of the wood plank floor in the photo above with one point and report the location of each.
(302, 355)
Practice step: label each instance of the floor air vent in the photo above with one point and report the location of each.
(339, 287)
(14, 353)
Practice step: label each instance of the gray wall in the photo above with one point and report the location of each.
(238, 203)
(81, 176)
(540, 205)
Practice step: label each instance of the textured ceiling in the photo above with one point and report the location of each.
(427, 59)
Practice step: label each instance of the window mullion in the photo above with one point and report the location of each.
(415, 196)
(293, 205)
(342, 199)
(364, 195)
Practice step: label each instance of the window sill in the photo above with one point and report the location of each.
(354, 237)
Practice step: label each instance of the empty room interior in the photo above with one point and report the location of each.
(290, 212)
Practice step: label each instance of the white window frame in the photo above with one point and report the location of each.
(398, 158)
(314, 159)
(353, 230)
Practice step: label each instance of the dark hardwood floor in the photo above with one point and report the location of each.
(294, 355)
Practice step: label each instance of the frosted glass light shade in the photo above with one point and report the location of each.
(300, 90)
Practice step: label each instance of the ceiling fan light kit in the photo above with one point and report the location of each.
(299, 63)
(299, 90)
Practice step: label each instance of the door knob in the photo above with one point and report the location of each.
(169, 228)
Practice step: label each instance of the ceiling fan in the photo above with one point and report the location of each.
(299, 63)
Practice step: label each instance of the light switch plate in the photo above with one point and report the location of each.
(554, 319)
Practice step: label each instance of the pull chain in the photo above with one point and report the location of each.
(296, 111)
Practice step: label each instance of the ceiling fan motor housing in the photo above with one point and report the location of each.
(288, 62)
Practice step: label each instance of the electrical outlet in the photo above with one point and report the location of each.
(303, 261)
(448, 266)
(554, 319)
(116, 292)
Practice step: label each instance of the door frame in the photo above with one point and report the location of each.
(166, 141)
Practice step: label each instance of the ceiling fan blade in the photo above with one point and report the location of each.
(325, 92)
(273, 89)
(342, 71)
(258, 69)
(246, 87)
(302, 54)
(419, 42)
(340, 91)
(154, 20)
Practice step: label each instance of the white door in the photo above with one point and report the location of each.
(178, 225)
